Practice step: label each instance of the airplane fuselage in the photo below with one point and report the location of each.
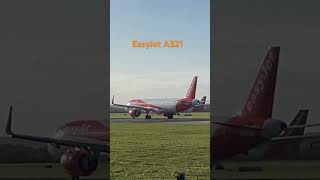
(86, 129)
(82, 131)
(164, 106)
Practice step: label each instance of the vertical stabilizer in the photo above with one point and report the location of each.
(260, 99)
(191, 94)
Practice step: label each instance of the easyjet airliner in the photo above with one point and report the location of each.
(201, 108)
(166, 107)
(255, 124)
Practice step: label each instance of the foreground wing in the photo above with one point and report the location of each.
(99, 147)
(304, 126)
(236, 126)
(277, 139)
(294, 138)
(254, 128)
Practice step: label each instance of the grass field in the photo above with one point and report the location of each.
(140, 150)
(198, 115)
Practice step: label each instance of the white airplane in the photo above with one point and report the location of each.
(166, 107)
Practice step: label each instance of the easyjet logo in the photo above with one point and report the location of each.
(81, 130)
(265, 71)
(192, 86)
(77, 129)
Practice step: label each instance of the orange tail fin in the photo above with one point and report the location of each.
(191, 94)
(260, 100)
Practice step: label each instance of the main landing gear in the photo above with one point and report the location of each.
(148, 116)
(170, 116)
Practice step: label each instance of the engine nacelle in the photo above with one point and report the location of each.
(134, 112)
(272, 128)
(195, 102)
(79, 162)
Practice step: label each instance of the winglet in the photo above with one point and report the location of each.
(112, 99)
(9, 122)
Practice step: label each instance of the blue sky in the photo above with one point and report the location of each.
(162, 72)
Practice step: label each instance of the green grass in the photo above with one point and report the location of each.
(197, 115)
(140, 150)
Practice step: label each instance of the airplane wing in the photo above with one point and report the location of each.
(304, 125)
(294, 138)
(236, 126)
(277, 139)
(148, 109)
(99, 147)
(255, 128)
(200, 105)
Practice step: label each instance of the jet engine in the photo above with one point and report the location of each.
(272, 128)
(79, 162)
(134, 112)
(195, 102)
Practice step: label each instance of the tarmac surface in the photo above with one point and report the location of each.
(161, 120)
